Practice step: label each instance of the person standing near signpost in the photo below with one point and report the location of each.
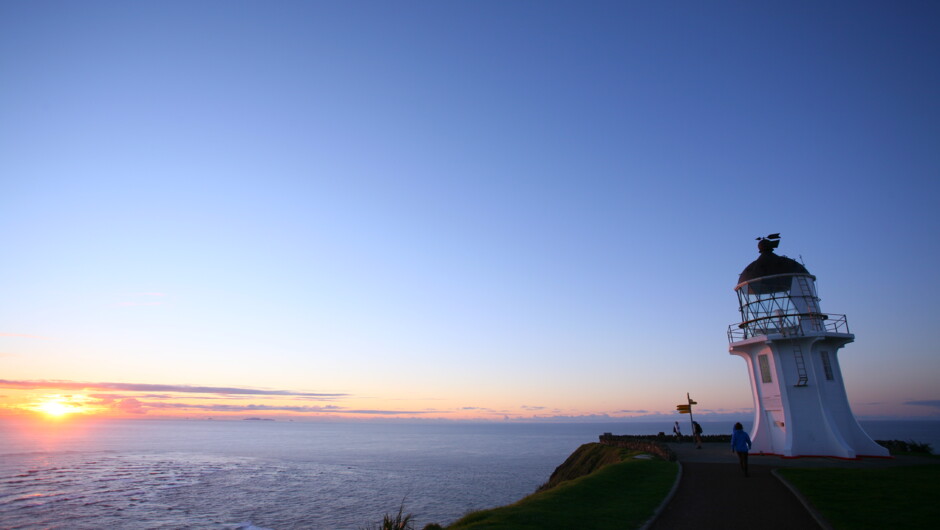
(677, 431)
(697, 433)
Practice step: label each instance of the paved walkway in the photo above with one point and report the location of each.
(713, 492)
(719, 496)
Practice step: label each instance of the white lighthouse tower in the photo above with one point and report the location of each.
(791, 348)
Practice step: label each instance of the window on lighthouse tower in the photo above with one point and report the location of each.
(764, 368)
(827, 365)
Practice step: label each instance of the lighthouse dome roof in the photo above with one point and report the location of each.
(769, 264)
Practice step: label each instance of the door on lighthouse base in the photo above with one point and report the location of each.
(778, 431)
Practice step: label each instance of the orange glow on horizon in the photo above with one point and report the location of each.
(55, 409)
(66, 407)
(58, 407)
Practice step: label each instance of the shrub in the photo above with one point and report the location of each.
(399, 521)
(900, 446)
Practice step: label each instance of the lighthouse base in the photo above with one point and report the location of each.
(820, 438)
(800, 404)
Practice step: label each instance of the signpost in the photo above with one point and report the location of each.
(686, 408)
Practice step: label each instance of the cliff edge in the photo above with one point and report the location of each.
(585, 460)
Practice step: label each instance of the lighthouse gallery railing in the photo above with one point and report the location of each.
(791, 325)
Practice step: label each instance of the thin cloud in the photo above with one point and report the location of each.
(484, 409)
(388, 412)
(129, 406)
(241, 408)
(114, 397)
(530, 407)
(586, 418)
(180, 389)
(326, 409)
(935, 403)
(227, 397)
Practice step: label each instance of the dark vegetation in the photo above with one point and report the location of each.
(399, 521)
(646, 444)
(896, 447)
(669, 438)
(900, 447)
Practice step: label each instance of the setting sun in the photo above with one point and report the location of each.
(57, 406)
(56, 409)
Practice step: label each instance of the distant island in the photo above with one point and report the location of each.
(259, 419)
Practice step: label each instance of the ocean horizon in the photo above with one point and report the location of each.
(294, 474)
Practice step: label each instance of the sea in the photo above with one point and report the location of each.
(258, 474)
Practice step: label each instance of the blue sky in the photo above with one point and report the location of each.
(462, 208)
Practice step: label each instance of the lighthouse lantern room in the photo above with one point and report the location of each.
(791, 349)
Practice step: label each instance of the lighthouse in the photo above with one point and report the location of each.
(791, 348)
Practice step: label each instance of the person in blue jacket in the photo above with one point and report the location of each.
(740, 444)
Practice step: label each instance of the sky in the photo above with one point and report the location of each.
(524, 210)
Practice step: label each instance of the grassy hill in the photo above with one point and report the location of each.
(597, 487)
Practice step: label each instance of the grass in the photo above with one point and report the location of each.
(617, 496)
(585, 460)
(897, 497)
